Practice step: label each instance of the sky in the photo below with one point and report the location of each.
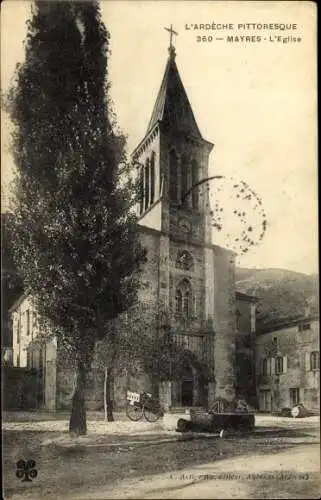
(255, 100)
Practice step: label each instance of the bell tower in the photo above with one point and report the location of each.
(170, 161)
(188, 276)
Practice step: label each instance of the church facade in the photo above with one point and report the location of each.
(185, 274)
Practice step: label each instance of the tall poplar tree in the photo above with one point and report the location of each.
(75, 233)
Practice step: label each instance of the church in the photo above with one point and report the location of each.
(192, 279)
(186, 277)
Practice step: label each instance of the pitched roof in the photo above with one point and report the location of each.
(288, 323)
(172, 106)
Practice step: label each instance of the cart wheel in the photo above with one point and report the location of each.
(151, 415)
(220, 405)
(134, 412)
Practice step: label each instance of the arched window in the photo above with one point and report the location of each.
(152, 178)
(141, 190)
(178, 301)
(147, 180)
(184, 178)
(194, 182)
(184, 260)
(173, 171)
(187, 303)
(265, 367)
(183, 298)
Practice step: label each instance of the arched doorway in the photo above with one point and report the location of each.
(189, 380)
(187, 385)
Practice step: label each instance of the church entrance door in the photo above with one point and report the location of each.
(187, 385)
(187, 392)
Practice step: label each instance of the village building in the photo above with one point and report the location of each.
(288, 366)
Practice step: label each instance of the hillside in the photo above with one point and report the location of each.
(282, 294)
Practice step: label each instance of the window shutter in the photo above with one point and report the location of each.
(285, 364)
(272, 366)
(307, 362)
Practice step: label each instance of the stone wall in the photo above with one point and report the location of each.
(19, 388)
(245, 342)
(224, 323)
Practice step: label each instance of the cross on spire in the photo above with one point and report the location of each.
(171, 32)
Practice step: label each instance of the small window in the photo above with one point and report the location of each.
(294, 396)
(278, 365)
(315, 360)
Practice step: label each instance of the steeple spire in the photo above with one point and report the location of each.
(172, 106)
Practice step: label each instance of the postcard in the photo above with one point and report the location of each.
(160, 327)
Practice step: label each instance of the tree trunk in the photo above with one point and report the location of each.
(108, 403)
(77, 422)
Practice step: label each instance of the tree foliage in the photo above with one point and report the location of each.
(11, 282)
(74, 228)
